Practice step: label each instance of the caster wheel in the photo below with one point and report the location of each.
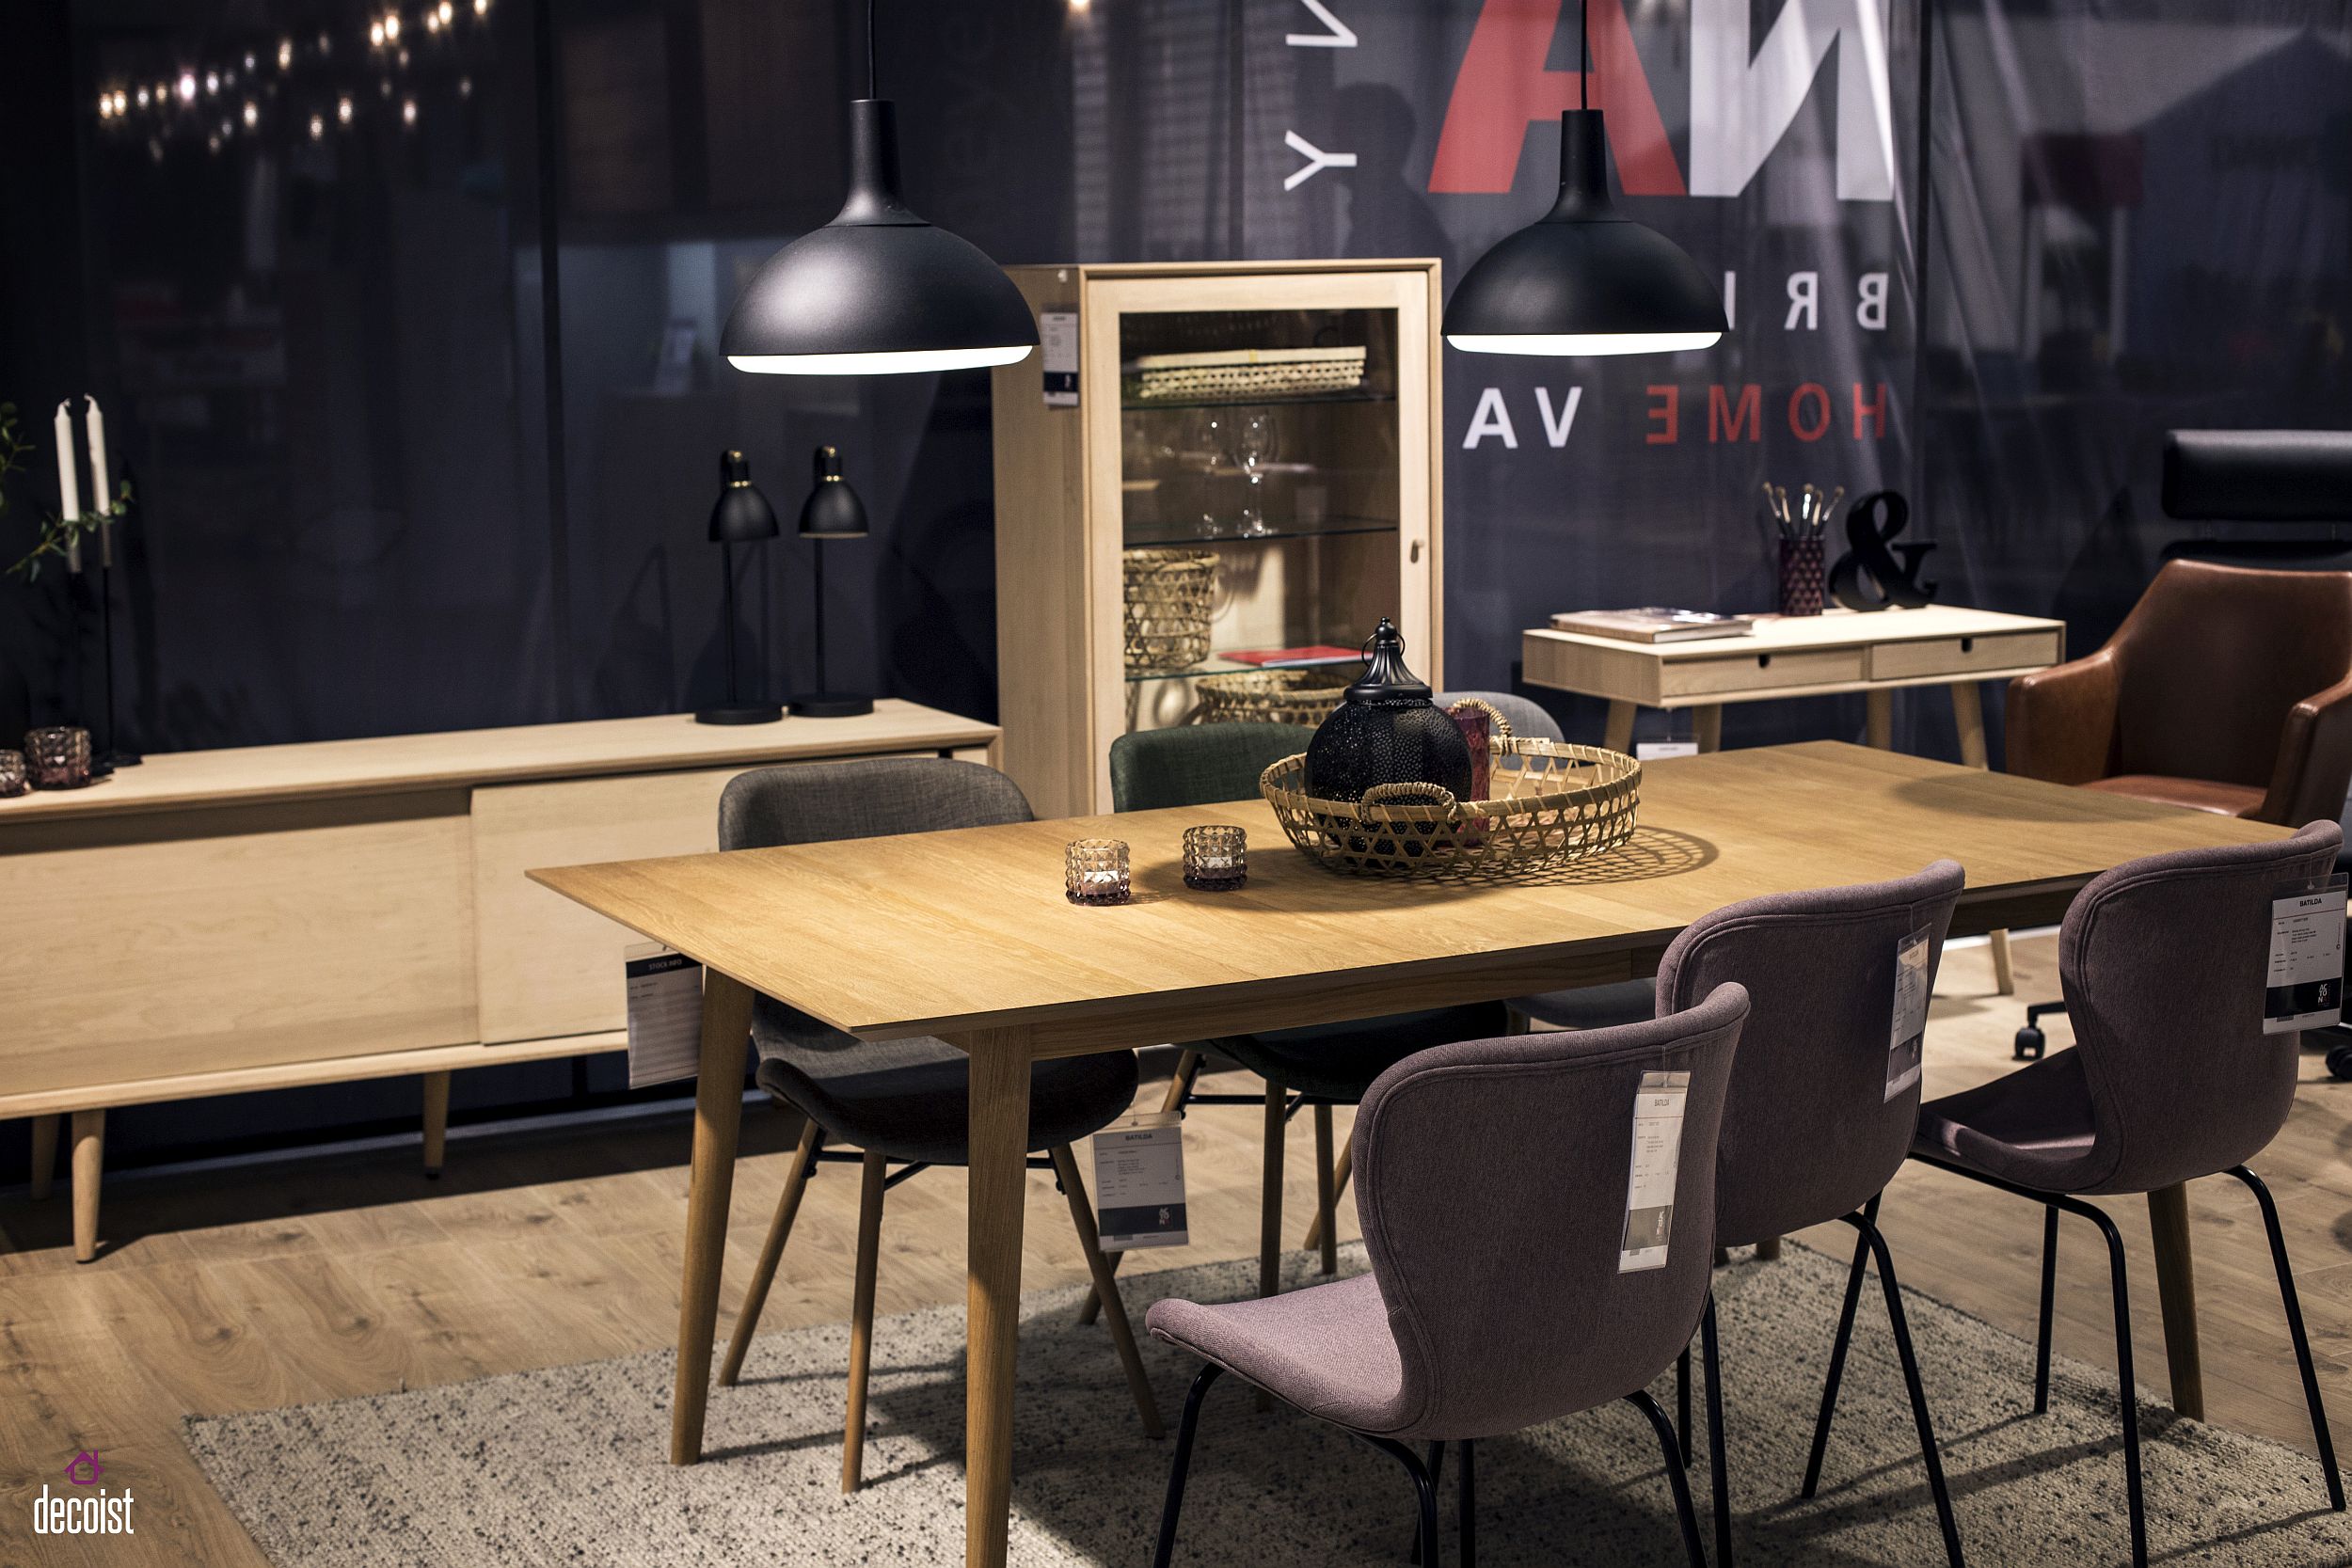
(2339, 1062)
(2030, 1044)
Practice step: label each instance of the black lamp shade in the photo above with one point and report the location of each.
(876, 291)
(832, 509)
(742, 513)
(1584, 279)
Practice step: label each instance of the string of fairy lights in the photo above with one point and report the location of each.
(311, 87)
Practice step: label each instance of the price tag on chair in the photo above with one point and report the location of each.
(1649, 1193)
(665, 1014)
(2303, 988)
(1907, 1035)
(1139, 1183)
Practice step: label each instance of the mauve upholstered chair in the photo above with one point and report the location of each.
(1492, 1185)
(1810, 1133)
(2171, 1078)
(901, 1101)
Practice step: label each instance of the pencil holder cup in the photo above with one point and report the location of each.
(1800, 576)
(58, 758)
(12, 774)
(1094, 871)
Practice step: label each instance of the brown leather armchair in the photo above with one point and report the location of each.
(2226, 689)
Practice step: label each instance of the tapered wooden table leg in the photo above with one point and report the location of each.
(2176, 1288)
(44, 1154)
(90, 1163)
(1707, 722)
(1877, 704)
(718, 1118)
(1968, 717)
(997, 1177)
(1618, 737)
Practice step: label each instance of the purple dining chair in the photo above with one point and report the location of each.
(1820, 1111)
(2163, 962)
(1492, 1181)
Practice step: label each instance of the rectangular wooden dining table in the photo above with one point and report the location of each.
(966, 935)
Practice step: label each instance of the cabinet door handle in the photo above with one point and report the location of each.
(1415, 556)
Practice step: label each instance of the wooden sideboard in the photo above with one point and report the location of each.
(215, 922)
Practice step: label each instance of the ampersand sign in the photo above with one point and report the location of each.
(1870, 576)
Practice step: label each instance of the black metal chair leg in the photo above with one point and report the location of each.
(1182, 1463)
(1682, 1401)
(2127, 1386)
(2049, 1298)
(1675, 1476)
(1467, 1502)
(2295, 1327)
(1425, 1488)
(1838, 1356)
(1718, 1463)
(1911, 1382)
(1437, 1471)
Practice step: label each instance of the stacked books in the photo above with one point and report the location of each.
(1651, 624)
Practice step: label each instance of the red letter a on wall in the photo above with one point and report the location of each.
(1503, 87)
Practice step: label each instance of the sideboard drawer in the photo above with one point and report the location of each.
(1761, 672)
(1965, 655)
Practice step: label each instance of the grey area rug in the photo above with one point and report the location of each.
(565, 1465)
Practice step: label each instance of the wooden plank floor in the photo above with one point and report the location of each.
(323, 1280)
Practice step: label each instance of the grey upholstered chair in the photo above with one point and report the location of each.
(1195, 765)
(902, 1101)
(1493, 1197)
(2162, 961)
(1810, 1133)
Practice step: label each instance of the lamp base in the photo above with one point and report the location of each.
(740, 713)
(831, 704)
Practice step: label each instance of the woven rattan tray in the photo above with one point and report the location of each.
(1553, 803)
(1274, 696)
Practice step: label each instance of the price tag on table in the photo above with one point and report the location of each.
(665, 1014)
(1139, 1183)
(1907, 1035)
(2304, 986)
(1649, 1194)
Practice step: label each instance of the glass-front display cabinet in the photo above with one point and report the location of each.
(1211, 470)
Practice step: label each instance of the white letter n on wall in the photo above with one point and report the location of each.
(1741, 106)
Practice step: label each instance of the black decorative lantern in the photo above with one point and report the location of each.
(1386, 731)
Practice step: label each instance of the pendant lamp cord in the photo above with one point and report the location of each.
(873, 70)
(1584, 54)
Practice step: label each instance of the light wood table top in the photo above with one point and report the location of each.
(941, 933)
(382, 765)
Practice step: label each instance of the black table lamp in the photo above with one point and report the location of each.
(741, 516)
(832, 512)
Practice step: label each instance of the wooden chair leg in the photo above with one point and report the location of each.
(44, 1154)
(1326, 1192)
(779, 1231)
(869, 1208)
(1098, 1265)
(435, 1122)
(1340, 1175)
(1179, 1091)
(90, 1163)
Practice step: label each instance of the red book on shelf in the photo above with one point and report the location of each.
(1278, 659)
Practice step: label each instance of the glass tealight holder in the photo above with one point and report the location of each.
(12, 774)
(1094, 871)
(58, 758)
(1216, 858)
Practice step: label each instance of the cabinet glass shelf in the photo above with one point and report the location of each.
(1218, 664)
(1132, 405)
(1155, 536)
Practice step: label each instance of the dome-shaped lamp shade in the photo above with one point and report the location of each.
(1583, 279)
(832, 509)
(742, 513)
(878, 290)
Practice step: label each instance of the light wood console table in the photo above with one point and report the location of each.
(215, 922)
(1809, 655)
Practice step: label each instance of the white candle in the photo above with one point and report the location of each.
(68, 477)
(102, 492)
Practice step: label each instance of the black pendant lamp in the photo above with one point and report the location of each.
(878, 290)
(832, 512)
(1583, 278)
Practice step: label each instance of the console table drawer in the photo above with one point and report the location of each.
(1761, 672)
(1965, 656)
